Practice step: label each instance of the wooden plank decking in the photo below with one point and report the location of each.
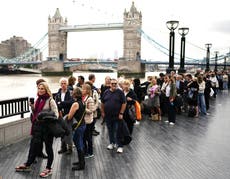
(192, 149)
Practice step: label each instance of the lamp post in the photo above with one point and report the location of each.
(171, 25)
(225, 59)
(208, 46)
(183, 32)
(216, 57)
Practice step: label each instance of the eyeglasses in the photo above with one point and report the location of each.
(113, 83)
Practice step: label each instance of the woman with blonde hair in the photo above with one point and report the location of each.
(131, 98)
(39, 131)
(200, 96)
(89, 110)
(154, 92)
(171, 96)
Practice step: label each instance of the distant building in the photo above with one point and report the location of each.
(19, 47)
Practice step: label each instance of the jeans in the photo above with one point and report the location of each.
(225, 85)
(201, 103)
(112, 125)
(78, 137)
(88, 139)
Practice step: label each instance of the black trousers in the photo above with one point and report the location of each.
(39, 135)
(171, 112)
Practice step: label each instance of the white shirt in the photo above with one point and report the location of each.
(167, 93)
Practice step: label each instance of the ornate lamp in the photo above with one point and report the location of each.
(171, 25)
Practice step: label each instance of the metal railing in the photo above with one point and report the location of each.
(12, 107)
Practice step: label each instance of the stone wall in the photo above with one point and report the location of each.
(131, 68)
(52, 66)
(5, 50)
(15, 131)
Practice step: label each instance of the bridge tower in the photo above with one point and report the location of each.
(57, 39)
(132, 38)
(130, 64)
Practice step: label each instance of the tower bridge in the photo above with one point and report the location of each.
(58, 30)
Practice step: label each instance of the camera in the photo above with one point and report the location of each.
(31, 100)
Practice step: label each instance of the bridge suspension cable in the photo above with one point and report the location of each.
(32, 51)
(160, 47)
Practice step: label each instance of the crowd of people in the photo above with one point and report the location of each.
(79, 104)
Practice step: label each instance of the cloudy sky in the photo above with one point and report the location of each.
(209, 22)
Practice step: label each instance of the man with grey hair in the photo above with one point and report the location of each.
(64, 101)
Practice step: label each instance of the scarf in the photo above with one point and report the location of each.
(39, 104)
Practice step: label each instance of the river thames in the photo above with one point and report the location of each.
(15, 86)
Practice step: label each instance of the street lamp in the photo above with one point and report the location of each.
(225, 59)
(183, 32)
(216, 57)
(208, 46)
(171, 25)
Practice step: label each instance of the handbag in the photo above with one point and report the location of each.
(179, 101)
(132, 113)
(138, 110)
(155, 117)
(123, 133)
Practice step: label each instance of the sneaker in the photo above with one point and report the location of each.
(89, 155)
(46, 173)
(171, 123)
(166, 121)
(110, 146)
(137, 123)
(120, 150)
(23, 168)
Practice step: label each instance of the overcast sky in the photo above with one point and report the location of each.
(209, 22)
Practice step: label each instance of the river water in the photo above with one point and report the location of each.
(15, 86)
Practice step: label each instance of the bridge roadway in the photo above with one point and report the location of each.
(195, 148)
(92, 27)
(113, 63)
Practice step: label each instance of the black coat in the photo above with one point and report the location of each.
(65, 105)
(51, 125)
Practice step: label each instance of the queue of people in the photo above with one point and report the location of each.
(77, 105)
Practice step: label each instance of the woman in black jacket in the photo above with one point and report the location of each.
(140, 92)
(131, 97)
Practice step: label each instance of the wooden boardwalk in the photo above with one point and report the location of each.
(192, 149)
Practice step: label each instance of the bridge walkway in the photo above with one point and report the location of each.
(195, 148)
